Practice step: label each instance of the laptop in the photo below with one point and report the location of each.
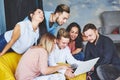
(85, 66)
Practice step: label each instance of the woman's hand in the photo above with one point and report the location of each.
(14, 38)
(1, 54)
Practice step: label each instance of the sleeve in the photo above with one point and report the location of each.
(109, 50)
(87, 52)
(43, 58)
(78, 43)
(52, 62)
(70, 59)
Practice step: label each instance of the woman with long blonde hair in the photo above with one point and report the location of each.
(34, 63)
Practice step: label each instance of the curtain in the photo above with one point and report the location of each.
(17, 10)
(2, 17)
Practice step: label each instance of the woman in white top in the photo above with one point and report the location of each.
(24, 34)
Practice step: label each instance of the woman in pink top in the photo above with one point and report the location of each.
(34, 63)
(76, 41)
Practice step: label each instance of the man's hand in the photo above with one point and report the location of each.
(92, 69)
(69, 73)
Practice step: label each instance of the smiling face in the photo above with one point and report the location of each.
(91, 35)
(62, 18)
(74, 33)
(37, 15)
(62, 42)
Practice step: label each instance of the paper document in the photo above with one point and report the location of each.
(85, 66)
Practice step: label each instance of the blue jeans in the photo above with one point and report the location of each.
(3, 42)
(80, 56)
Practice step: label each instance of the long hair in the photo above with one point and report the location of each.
(32, 12)
(47, 41)
(74, 24)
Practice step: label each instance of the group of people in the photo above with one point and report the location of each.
(43, 58)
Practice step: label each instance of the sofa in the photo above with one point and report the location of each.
(8, 64)
(110, 25)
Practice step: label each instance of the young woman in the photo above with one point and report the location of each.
(75, 43)
(24, 34)
(34, 63)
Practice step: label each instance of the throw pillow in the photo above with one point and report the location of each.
(115, 31)
(8, 64)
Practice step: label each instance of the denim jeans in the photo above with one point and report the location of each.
(3, 42)
(80, 56)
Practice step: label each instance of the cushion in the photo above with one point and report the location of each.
(79, 77)
(109, 29)
(110, 20)
(8, 64)
(115, 31)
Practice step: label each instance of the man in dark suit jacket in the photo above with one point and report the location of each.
(103, 47)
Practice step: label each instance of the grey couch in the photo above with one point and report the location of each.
(110, 21)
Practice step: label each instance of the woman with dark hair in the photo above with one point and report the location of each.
(75, 44)
(24, 34)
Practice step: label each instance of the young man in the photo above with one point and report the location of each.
(56, 18)
(103, 47)
(61, 53)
